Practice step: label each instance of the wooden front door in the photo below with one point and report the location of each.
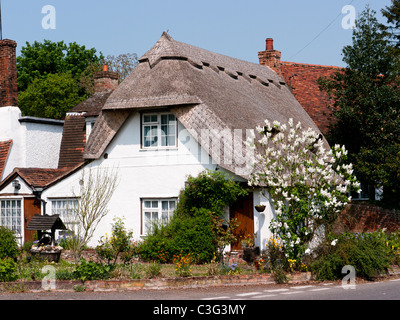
(243, 211)
(31, 207)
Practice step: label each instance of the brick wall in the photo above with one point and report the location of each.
(365, 217)
(8, 73)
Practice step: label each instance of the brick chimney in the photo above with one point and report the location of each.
(271, 57)
(8, 74)
(105, 80)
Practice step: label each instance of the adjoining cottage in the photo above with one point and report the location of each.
(182, 110)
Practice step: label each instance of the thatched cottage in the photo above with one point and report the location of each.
(182, 110)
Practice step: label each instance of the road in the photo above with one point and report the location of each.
(378, 290)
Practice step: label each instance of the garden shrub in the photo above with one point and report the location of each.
(187, 234)
(92, 271)
(192, 228)
(368, 253)
(120, 244)
(8, 270)
(8, 244)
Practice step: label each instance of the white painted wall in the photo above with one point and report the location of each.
(262, 220)
(34, 144)
(142, 174)
(42, 144)
(147, 174)
(10, 128)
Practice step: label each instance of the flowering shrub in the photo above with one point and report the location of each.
(183, 263)
(308, 184)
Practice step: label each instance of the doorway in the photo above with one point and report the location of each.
(243, 211)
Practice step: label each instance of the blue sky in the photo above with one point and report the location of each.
(234, 28)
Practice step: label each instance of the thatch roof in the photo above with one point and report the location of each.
(205, 90)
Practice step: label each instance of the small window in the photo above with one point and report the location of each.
(67, 210)
(364, 194)
(11, 215)
(156, 211)
(159, 130)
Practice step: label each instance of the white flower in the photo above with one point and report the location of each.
(333, 243)
(308, 251)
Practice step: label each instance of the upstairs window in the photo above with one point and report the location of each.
(159, 130)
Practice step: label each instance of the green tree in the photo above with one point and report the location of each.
(392, 14)
(44, 68)
(366, 104)
(50, 97)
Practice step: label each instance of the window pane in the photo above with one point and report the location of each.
(147, 222)
(147, 204)
(150, 118)
(154, 204)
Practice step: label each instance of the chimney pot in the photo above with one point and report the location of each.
(105, 68)
(270, 44)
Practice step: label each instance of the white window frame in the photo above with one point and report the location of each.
(156, 210)
(153, 126)
(12, 217)
(61, 206)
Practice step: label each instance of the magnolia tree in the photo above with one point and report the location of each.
(309, 184)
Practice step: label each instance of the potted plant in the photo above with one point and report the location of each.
(260, 207)
(250, 251)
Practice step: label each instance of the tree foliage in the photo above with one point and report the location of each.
(392, 14)
(49, 76)
(50, 96)
(366, 104)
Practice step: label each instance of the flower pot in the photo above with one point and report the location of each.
(250, 254)
(49, 256)
(260, 208)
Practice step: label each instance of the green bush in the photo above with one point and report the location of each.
(120, 244)
(368, 253)
(192, 228)
(187, 234)
(8, 270)
(8, 244)
(92, 271)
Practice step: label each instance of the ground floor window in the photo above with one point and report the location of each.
(156, 211)
(67, 210)
(11, 215)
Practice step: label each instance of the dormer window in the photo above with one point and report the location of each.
(159, 130)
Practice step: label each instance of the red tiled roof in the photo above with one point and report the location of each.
(74, 133)
(73, 141)
(39, 177)
(302, 79)
(5, 147)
